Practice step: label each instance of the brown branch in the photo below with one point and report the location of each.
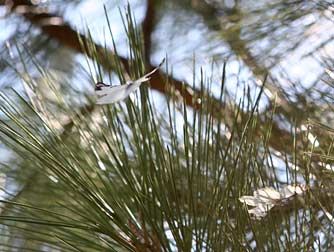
(148, 26)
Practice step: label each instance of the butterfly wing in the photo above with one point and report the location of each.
(116, 93)
(110, 94)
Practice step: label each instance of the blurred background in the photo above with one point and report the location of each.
(289, 41)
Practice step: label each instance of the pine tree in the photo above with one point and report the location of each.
(189, 171)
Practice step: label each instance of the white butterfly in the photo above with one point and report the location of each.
(266, 198)
(110, 94)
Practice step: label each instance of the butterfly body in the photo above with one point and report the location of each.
(99, 85)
